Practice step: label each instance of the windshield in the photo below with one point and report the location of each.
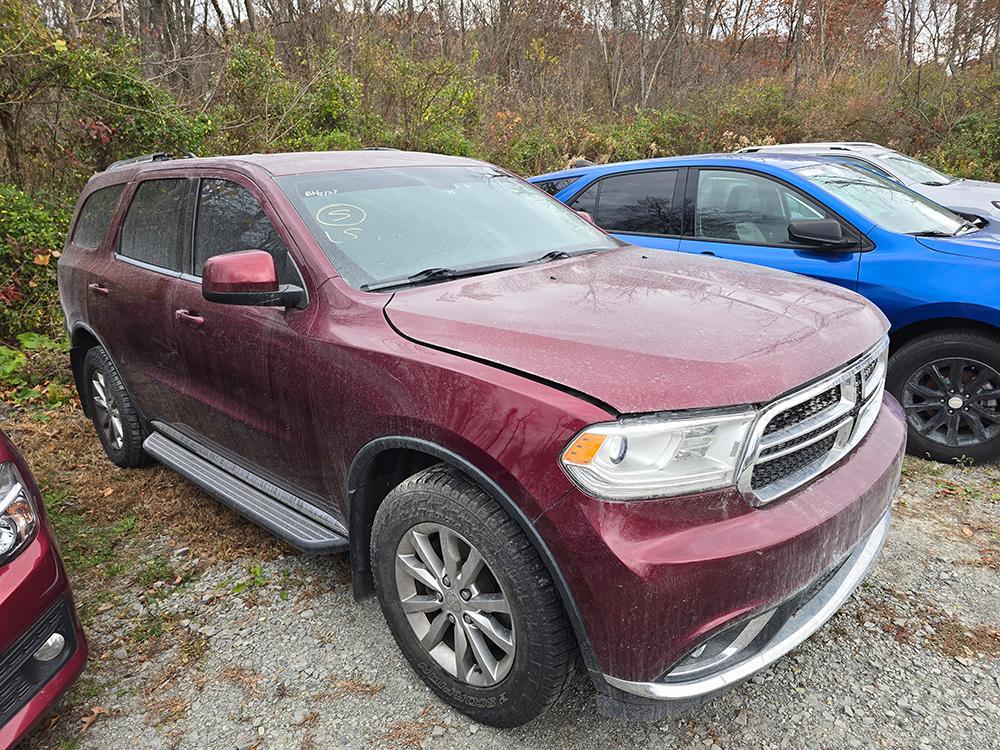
(915, 170)
(887, 203)
(379, 226)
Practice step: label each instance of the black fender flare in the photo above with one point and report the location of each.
(359, 535)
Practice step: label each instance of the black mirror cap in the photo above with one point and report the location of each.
(827, 234)
(287, 295)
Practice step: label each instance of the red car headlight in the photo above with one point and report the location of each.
(18, 515)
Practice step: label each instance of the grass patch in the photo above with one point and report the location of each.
(88, 548)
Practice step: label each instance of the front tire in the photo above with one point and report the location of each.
(469, 601)
(116, 419)
(949, 386)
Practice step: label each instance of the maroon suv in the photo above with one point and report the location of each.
(533, 440)
(42, 648)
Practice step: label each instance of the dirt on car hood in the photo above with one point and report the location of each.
(646, 330)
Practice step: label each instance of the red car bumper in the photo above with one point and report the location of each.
(657, 580)
(35, 603)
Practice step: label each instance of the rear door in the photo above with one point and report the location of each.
(130, 293)
(743, 215)
(641, 207)
(86, 247)
(243, 363)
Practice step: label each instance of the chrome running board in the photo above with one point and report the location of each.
(283, 514)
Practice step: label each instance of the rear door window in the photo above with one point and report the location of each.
(637, 203)
(156, 224)
(633, 203)
(587, 200)
(95, 216)
(231, 220)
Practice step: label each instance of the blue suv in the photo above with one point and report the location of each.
(934, 274)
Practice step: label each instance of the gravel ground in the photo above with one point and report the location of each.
(243, 653)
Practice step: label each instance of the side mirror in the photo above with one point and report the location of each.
(587, 216)
(246, 278)
(826, 234)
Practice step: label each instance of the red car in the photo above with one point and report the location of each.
(42, 648)
(534, 440)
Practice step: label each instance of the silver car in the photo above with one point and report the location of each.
(965, 196)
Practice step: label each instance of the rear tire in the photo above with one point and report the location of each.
(949, 386)
(435, 523)
(118, 423)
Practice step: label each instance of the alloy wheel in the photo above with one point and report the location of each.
(108, 415)
(954, 402)
(455, 604)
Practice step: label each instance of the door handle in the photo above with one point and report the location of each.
(98, 289)
(707, 252)
(186, 316)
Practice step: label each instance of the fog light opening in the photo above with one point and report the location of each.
(52, 647)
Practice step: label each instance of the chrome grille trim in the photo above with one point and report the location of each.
(860, 383)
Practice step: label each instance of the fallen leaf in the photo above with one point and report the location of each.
(107, 491)
(88, 720)
(967, 531)
(42, 260)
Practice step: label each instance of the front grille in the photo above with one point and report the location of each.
(803, 411)
(22, 676)
(801, 435)
(770, 472)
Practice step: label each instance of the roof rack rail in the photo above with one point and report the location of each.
(159, 156)
(379, 148)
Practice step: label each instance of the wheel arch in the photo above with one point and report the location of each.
(384, 462)
(903, 335)
(82, 340)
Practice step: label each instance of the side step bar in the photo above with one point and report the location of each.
(289, 523)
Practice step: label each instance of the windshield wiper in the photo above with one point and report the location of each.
(562, 255)
(551, 255)
(931, 233)
(935, 183)
(436, 274)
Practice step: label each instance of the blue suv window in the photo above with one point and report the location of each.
(554, 186)
(748, 208)
(632, 203)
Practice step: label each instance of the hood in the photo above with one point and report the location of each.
(970, 196)
(646, 331)
(983, 243)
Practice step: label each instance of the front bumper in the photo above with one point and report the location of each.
(654, 581)
(35, 604)
(798, 619)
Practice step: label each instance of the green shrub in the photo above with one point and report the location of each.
(30, 237)
(37, 371)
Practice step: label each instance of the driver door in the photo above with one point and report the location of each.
(242, 361)
(743, 215)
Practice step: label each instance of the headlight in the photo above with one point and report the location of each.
(651, 457)
(18, 516)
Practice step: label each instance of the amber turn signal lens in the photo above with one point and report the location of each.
(584, 448)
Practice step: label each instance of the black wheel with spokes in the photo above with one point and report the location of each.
(949, 386)
(116, 419)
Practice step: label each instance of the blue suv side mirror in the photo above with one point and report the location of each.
(826, 234)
